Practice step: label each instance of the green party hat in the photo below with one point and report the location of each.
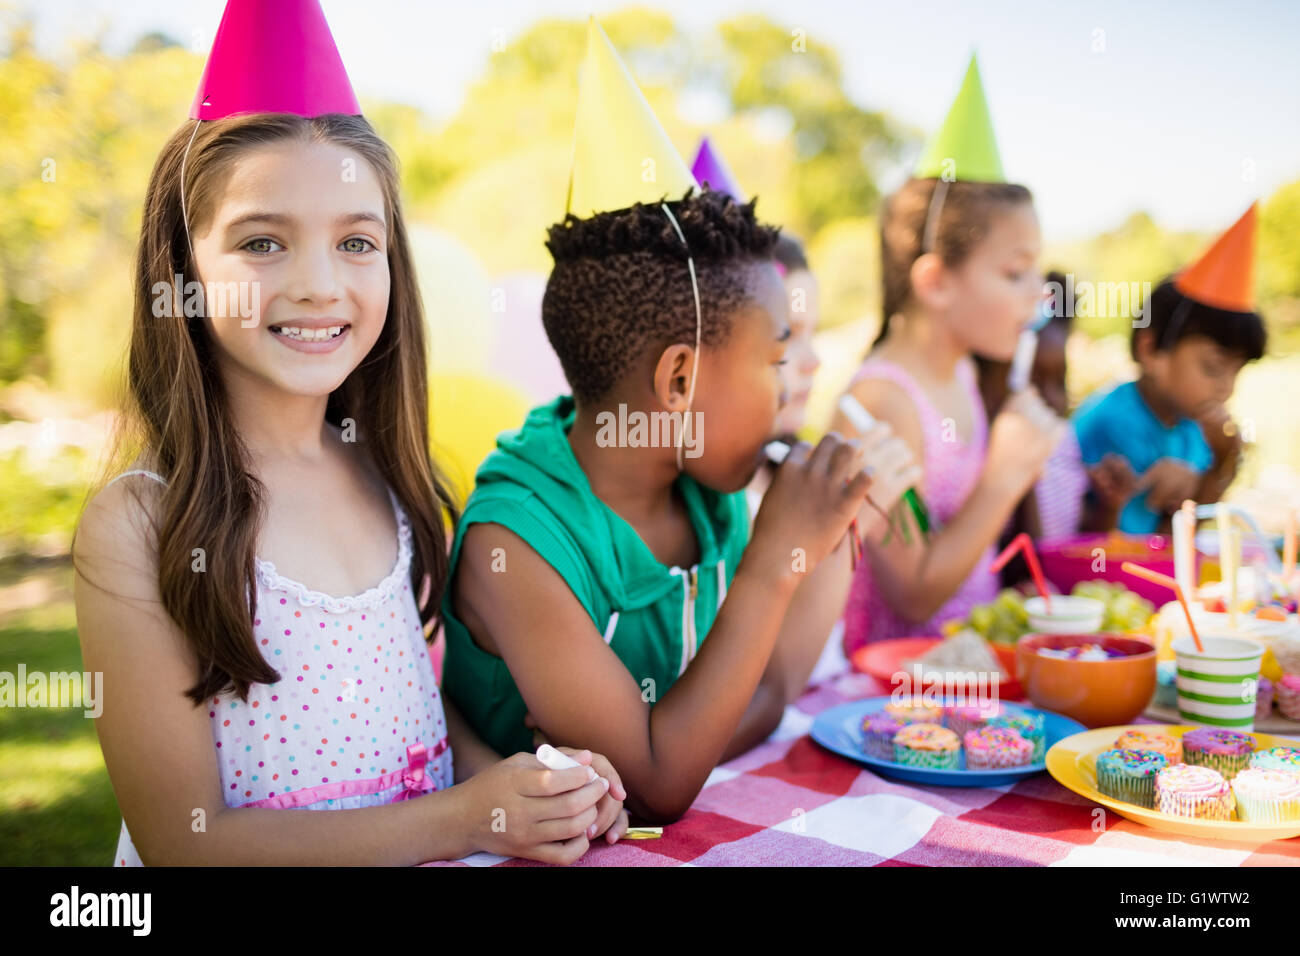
(964, 148)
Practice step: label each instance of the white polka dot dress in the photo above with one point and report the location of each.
(355, 720)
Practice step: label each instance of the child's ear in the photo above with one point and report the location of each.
(929, 281)
(672, 381)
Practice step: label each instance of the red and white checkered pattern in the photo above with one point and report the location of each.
(788, 802)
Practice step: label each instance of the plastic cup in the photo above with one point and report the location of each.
(1216, 686)
(1070, 615)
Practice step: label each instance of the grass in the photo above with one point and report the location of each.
(56, 803)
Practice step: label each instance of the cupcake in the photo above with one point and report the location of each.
(1227, 751)
(878, 731)
(1277, 758)
(1029, 726)
(914, 710)
(1171, 747)
(1188, 790)
(1130, 775)
(927, 745)
(1287, 694)
(1263, 698)
(1166, 684)
(1267, 796)
(962, 720)
(990, 748)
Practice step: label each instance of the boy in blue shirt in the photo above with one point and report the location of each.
(1166, 437)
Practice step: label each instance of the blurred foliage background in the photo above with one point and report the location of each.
(79, 133)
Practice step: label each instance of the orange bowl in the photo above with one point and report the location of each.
(1095, 693)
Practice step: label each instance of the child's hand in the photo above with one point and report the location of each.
(518, 807)
(1221, 433)
(1024, 435)
(812, 499)
(611, 818)
(893, 470)
(1114, 480)
(1168, 483)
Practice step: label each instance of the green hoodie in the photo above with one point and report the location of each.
(652, 616)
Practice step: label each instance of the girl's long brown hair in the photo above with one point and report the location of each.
(965, 215)
(178, 416)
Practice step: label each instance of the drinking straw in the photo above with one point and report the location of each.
(1227, 561)
(1288, 547)
(1025, 544)
(1184, 528)
(1155, 577)
(864, 421)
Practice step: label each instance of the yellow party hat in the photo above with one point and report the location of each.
(621, 155)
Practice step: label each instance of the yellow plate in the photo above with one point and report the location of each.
(1072, 762)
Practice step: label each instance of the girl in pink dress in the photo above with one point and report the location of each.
(256, 588)
(960, 277)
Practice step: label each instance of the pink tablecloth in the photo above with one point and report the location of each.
(791, 803)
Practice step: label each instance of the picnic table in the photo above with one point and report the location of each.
(788, 802)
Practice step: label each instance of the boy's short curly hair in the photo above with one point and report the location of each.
(621, 284)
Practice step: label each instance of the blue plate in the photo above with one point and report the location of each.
(839, 730)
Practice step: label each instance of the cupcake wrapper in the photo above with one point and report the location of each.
(996, 761)
(960, 725)
(1122, 786)
(1267, 811)
(1227, 764)
(934, 759)
(880, 746)
(1263, 704)
(1288, 701)
(1195, 805)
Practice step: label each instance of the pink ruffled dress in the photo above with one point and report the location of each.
(355, 720)
(951, 469)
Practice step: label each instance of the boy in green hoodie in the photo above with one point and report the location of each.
(590, 567)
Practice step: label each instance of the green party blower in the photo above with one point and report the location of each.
(864, 421)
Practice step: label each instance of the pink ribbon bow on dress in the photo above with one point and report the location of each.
(414, 780)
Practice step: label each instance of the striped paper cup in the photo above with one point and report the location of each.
(1216, 687)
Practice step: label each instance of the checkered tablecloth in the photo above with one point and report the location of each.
(788, 802)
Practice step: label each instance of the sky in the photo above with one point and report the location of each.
(1187, 110)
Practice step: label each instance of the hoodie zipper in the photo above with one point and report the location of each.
(690, 590)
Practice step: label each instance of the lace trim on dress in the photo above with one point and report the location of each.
(365, 601)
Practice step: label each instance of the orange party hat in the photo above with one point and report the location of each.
(1224, 277)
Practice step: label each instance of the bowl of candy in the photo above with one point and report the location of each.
(1097, 679)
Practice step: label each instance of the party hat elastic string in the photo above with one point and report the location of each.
(185, 216)
(932, 215)
(699, 324)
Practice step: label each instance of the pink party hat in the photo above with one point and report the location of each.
(709, 168)
(273, 56)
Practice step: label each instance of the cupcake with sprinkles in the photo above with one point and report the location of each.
(1267, 796)
(927, 745)
(1277, 758)
(962, 720)
(1190, 790)
(991, 748)
(1130, 775)
(914, 710)
(1227, 751)
(1171, 747)
(1029, 726)
(878, 732)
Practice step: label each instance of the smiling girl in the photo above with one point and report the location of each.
(257, 586)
